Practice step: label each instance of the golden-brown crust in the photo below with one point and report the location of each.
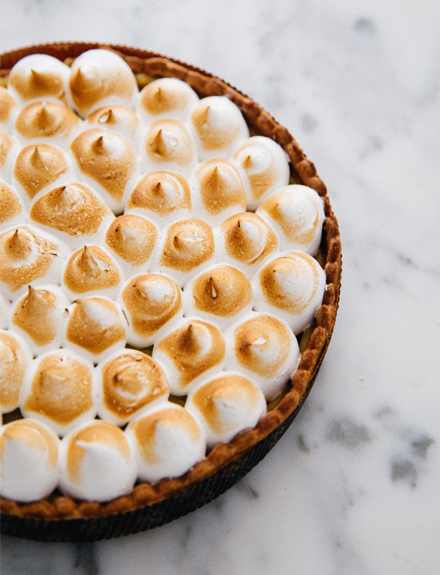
(144, 494)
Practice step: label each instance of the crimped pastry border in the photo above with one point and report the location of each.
(259, 120)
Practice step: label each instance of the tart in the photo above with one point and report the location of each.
(176, 294)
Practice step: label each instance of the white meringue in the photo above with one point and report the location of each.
(8, 109)
(39, 317)
(9, 149)
(297, 214)
(162, 196)
(120, 119)
(39, 77)
(291, 287)
(60, 391)
(264, 349)
(225, 405)
(5, 311)
(28, 460)
(130, 382)
(165, 98)
(193, 351)
(152, 304)
(220, 294)
(96, 462)
(217, 126)
(99, 78)
(15, 361)
(264, 167)
(12, 209)
(95, 328)
(168, 441)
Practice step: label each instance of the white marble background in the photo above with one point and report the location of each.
(353, 488)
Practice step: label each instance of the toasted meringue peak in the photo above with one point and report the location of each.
(9, 149)
(29, 460)
(225, 405)
(219, 294)
(132, 238)
(96, 463)
(91, 270)
(60, 391)
(220, 189)
(119, 119)
(151, 302)
(47, 121)
(264, 166)
(131, 381)
(187, 245)
(40, 165)
(166, 98)
(108, 160)
(162, 196)
(169, 442)
(192, 351)
(297, 214)
(96, 326)
(11, 206)
(291, 287)
(263, 348)
(245, 240)
(168, 145)
(73, 212)
(39, 315)
(8, 106)
(39, 77)
(217, 125)
(100, 78)
(28, 256)
(15, 358)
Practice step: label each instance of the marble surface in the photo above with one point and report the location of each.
(353, 486)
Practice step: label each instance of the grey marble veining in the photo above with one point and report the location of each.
(353, 486)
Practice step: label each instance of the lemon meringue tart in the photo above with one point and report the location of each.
(170, 272)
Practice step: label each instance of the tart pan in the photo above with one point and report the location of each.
(60, 518)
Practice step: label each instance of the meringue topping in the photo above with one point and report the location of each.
(9, 148)
(218, 125)
(107, 158)
(222, 291)
(14, 360)
(130, 382)
(39, 314)
(7, 105)
(220, 187)
(26, 256)
(96, 463)
(95, 324)
(168, 145)
(187, 245)
(38, 166)
(162, 195)
(246, 240)
(46, 120)
(91, 269)
(39, 77)
(72, 209)
(60, 391)
(166, 97)
(169, 442)
(132, 238)
(11, 206)
(297, 213)
(264, 348)
(29, 460)
(100, 77)
(291, 287)
(264, 165)
(225, 405)
(189, 352)
(151, 302)
(119, 119)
